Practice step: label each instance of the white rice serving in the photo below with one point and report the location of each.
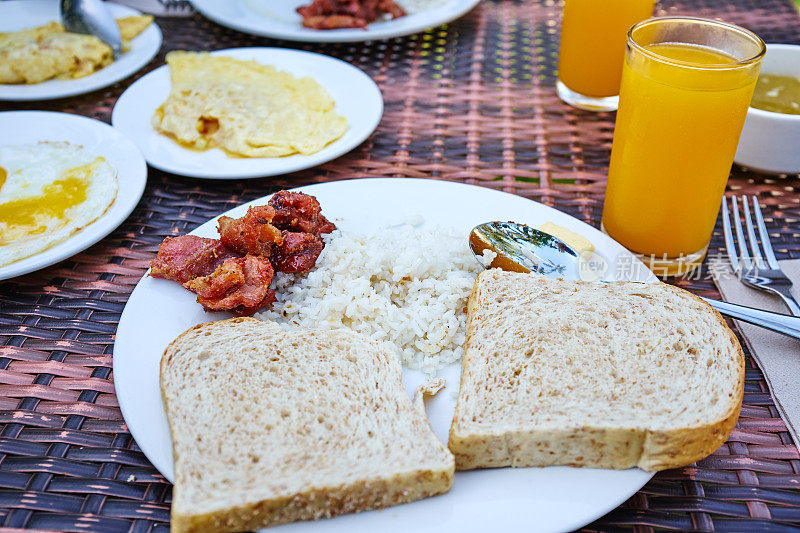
(415, 6)
(402, 286)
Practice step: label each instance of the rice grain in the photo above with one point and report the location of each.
(403, 286)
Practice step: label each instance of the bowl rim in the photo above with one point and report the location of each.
(774, 115)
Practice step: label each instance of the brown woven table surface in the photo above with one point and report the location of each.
(473, 101)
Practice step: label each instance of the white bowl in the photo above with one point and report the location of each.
(770, 142)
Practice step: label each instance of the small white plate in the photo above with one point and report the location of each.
(18, 15)
(279, 20)
(357, 98)
(500, 499)
(96, 138)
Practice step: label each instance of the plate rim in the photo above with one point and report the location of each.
(205, 9)
(123, 325)
(122, 102)
(148, 55)
(72, 245)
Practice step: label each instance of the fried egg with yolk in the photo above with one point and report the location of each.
(48, 192)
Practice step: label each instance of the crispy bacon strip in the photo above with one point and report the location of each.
(234, 273)
(186, 257)
(298, 212)
(298, 253)
(240, 284)
(333, 22)
(251, 234)
(333, 14)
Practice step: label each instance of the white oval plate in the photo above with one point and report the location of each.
(507, 499)
(357, 98)
(18, 15)
(279, 20)
(96, 138)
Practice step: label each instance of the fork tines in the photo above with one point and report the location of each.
(748, 258)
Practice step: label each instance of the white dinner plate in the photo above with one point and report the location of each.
(357, 99)
(279, 20)
(507, 499)
(97, 139)
(18, 15)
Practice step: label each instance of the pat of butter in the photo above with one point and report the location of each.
(579, 243)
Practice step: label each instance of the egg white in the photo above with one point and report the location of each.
(30, 168)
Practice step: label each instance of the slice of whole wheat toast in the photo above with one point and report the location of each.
(607, 375)
(270, 426)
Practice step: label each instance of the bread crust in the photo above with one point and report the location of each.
(317, 501)
(676, 448)
(593, 446)
(320, 503)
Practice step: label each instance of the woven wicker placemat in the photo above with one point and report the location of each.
(472, 101)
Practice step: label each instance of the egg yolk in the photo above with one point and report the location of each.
(30, 216)
(3, 176)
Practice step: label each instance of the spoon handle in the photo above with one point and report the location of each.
(92, 17)
(786, 324)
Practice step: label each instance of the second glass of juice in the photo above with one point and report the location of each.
(593, 49)
(686, 87)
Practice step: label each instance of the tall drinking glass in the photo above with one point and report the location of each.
(593, 49)
(686, 87)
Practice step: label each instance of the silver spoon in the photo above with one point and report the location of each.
(92, 17)
(521, 248)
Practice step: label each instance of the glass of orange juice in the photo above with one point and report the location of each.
(593, 49)
(686, 87)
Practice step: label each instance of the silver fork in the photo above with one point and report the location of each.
(755, 271)
(177, 7)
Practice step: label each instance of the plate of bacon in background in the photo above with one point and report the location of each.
(333, 20)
